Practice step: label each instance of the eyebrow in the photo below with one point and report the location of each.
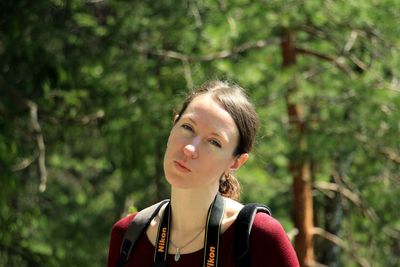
(193, 121)
(212, 133)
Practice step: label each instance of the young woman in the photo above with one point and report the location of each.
(210, 139)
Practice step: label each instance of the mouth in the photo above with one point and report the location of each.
(180, 166)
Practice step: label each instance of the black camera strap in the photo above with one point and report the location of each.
(211, 239)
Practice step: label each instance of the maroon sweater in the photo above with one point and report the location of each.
(269, 246)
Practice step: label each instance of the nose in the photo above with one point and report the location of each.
(191, 150)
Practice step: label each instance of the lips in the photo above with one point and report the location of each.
(181, 166)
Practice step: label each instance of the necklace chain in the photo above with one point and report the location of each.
(178, 249)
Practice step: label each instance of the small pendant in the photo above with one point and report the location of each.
(177, 255)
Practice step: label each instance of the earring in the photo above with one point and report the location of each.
(227, 175)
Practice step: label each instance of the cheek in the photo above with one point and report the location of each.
(170, 145)
(216, 163)
(175, 145)
(173, 142)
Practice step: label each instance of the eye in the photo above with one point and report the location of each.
(215, 143)
(187, 127)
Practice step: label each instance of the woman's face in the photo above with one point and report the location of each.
(200, 145)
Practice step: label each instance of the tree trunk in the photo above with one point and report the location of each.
(299, 165)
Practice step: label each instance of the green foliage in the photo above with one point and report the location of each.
(105, 81)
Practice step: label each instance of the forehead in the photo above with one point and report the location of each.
(208, 113)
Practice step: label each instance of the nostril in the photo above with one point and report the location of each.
(190, 151)
(190, 148)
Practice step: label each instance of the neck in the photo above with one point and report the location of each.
(190, 208)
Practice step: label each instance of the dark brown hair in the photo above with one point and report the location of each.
(234, 100)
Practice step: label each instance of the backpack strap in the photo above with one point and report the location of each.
(135, 229)
(244, 223)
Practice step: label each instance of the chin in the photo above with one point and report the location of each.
(180, 183)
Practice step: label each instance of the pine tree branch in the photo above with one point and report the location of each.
(40, 144)
(330, 237)
(340, 243)
(337, 188)
(337, 61)
(390, 154)
(212, 56)
(23, 164)
(347, 193)
(188, 73)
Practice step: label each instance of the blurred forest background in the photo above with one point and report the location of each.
(88, 89)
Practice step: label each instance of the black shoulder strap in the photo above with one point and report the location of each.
(135, 229)
(244, 222)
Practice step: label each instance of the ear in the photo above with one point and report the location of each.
(239, 161)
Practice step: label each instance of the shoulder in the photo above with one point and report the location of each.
(265, 224)
(270, 242)
(121, 225)
(117, 234)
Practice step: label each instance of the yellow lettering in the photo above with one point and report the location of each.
(211, 257)
(161, 243)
